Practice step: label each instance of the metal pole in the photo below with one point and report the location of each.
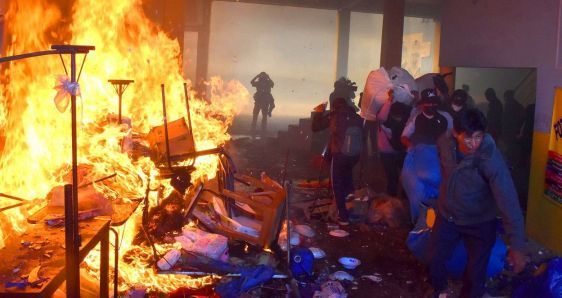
(166, 127)
(28, 55)
(71, 218)
(120, 93)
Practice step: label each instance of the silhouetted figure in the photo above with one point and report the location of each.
(469, 100)
(494, 116)
(263, 100)
(525, 136)
(514, 115)
(457, 103)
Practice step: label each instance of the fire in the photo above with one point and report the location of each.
(128, 46)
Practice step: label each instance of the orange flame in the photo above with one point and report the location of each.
(128, 46)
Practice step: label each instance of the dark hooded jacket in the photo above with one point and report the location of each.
(476, 187)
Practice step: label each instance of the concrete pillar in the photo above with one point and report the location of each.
(342, 51)
(203, 40)
(392, 32)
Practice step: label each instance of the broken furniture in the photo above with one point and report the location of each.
(252, 213)
(180, 140)
(120, 86)
(44, 246)
(72, 237)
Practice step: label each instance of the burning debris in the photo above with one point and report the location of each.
(135, 48)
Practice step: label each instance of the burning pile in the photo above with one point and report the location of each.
(37, 150)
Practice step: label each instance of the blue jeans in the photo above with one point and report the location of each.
(478, 239)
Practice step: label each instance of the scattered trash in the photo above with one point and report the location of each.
(349, 262)
(169, 259)
(214, 246)
(266, 258)
(547, 283)
(295, 239)
(302, 261)
(341, 275)
(388, 210)
(305, 230)
(137, 291)
(339, 233)
(374, 278)
(250, 278)
(33, 275)
(317, 252)
(331, 289)
(332, 226)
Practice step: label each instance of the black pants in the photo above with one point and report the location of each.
(342, 180)
(263, 108)
(392, 164)
(370, 129)
(478, 240)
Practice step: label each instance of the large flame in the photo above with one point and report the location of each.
(128, 46)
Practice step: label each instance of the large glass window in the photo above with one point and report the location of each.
(295, 46)
(364, 46)
(420, 46)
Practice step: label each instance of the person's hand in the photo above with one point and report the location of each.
(517, 260)
(320, 108)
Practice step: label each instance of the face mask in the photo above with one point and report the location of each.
(430, 111)
(456, 108)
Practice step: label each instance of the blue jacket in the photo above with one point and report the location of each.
(476, 187)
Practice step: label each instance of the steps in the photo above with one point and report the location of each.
(299, 137)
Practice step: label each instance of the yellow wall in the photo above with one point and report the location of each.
(544, 217)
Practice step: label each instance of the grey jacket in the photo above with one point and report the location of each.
(476, 187)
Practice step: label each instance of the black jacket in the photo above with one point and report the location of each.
(337, 120)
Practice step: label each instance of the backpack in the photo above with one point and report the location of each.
(353, 141)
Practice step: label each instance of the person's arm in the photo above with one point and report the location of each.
(254, 80)
(408, 131)
(503, 190)
(320, 118)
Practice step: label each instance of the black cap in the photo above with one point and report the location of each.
(459, 97)
(429, 96)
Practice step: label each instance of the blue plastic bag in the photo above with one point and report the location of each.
(548, 284)
(421, 175)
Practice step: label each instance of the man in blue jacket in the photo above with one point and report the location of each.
(476, 183)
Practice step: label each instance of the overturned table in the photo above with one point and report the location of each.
(43, 246)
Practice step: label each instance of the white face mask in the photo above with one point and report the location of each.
(456, 108)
